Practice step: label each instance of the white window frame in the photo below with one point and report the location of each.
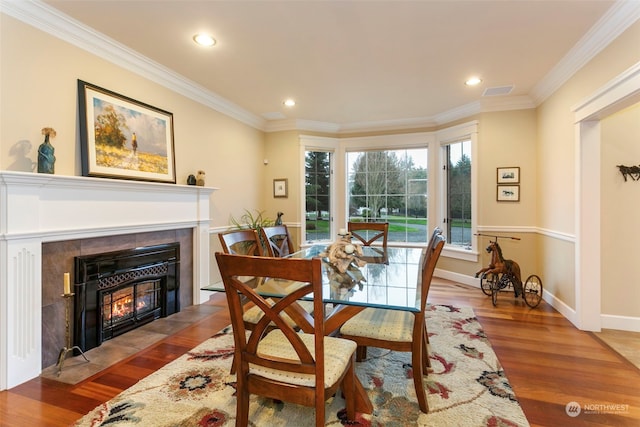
(466, 131)
(329, 145)
(433, 141)
(382, 143)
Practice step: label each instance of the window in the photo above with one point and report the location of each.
(458, 193)
(317, 195)
(414, 181)
(391, 186)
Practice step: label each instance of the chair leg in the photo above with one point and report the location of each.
(349, 391)
(242, 405)
(233, 365)
(320, 408)
(425, 351)
(417, 361)
(361, 353)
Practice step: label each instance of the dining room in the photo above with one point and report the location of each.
(538, 164)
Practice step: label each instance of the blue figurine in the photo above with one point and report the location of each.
(46, 158)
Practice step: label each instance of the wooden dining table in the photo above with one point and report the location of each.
(390, 280)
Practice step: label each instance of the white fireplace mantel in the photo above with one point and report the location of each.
(37, 208)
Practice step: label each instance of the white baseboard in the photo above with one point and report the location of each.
(568, 312)
(621, 323)
(457, 277)
(205, 295)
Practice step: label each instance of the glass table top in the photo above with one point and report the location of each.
(390, 279)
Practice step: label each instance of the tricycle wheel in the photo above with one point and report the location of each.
(532, 293)
(495, 289)
(486, 283)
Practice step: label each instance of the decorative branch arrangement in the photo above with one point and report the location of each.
(632, 171)
(345, 261)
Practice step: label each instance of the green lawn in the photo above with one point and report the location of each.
(396, 223)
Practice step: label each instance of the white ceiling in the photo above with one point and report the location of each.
(352, 63)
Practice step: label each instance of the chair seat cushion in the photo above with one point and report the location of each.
(254, 314)
(337, 355)
(378, 323)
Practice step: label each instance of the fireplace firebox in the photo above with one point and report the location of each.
(116, 292)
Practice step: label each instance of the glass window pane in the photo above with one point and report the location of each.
(317, 195)
(459, 194)
(390, 185)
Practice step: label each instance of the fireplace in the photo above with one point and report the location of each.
(124, 308)
(35, 215)
(116, 292)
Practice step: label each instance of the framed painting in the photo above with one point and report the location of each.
(280, 187)
(123, 138)
(509, 175)
(508, 193)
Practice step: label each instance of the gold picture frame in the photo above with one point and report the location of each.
(508, 193)
(510, 175)
(123, 138)
(280, 187)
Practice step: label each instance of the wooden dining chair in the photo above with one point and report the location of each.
(282, 363)
(369, 232)
(241, 242)
(430, 245)
(247, 242)
(400, 330)
(277, 240)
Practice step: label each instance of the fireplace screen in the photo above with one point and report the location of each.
(118, 291)
(126, 307)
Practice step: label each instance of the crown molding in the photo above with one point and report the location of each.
(614, 22)
(54, 22)
(485, 105)
(506, 103)
(301, 125)
(385, 125)
(457, 113)
(48, 19)
(315, 126)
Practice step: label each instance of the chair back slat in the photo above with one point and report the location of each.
(277, 240)
(303, 274)
(241, 242)
(430, 257)
(369, 232)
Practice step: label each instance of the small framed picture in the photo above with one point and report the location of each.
(280, 187)
(508, 193)
(509, 175)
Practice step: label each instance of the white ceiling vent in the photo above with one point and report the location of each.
(498, 90)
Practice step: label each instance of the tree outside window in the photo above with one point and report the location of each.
(459, 193)
(317, 195)
(390, 185)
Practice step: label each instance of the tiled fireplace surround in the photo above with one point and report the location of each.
(47, 220)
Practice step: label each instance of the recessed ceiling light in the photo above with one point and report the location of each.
(204, 39)
(473, 81)
(289, 102)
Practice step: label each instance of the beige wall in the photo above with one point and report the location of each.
(39, 89)
(505, 139)
(620, 205)
(38, 80)
(556, 165)
(282, 150)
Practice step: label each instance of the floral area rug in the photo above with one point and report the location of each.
(466, 386)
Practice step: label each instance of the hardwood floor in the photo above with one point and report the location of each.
(547, 360)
